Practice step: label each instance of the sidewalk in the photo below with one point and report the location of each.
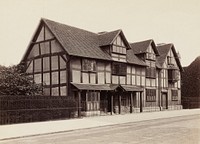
(37, 128)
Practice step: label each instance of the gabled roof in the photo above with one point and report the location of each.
(141, 47)
(82, 43)
(77, 42)
(108, 38)
(164, 50)
(132, 58)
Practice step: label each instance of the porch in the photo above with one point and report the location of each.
(107, 99)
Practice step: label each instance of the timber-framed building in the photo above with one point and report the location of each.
(103, 71)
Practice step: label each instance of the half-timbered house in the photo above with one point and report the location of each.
(103, 71)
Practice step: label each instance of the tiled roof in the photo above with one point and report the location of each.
(79, 42)
(140, 47)
(110, 87)
(91, 86)
(107, 37)
(163, 50)
(132, 58)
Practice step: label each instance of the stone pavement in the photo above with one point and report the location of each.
(38, 128)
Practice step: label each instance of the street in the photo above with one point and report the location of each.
(176, 130)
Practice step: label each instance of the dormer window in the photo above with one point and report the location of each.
(150, 56)
(118, 51)
(170, 60)
(173, 75)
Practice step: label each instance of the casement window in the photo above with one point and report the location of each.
(174, 95)
(93, 99)
(119, 49)
(173, 75)
(150, 95)
(150, 56)
(119, 69)
(170, 60)
(151, 72)
(88, 65)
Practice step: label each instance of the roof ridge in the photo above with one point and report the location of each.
(45, 19)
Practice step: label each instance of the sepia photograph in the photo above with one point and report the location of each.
(100, 72)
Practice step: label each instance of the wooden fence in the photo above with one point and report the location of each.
(22, 109)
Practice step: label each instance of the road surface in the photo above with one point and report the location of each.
(176, 130)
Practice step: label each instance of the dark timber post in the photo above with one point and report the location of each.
(141, 110)
(79, 103)
(120, 101)
(111, 104)
(131, 102)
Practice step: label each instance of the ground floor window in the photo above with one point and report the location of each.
(150, 95)
(93, 101)
(174, 95)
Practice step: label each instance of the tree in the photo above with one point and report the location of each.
(14, 81)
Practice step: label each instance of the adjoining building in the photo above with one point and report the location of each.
(103, 71)
(191, 85)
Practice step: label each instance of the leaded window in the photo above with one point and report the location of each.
(150, 95)
(88, 65)
(119, 69)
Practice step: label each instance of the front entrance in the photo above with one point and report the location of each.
(164, 101)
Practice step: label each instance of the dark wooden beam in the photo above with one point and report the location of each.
(141, 107)
(131, 102)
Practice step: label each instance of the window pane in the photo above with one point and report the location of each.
(122, 79)
(85, 77)
(133, 80)
(101, 78)
(115, 79)
(92, 78)
(108, 77)
(138, 80)
(128, 81)
(133, 70)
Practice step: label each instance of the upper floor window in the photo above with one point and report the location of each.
(151, 69)
(119, 69)
(150, 56)
(173, 75)
(170, 60)
(119, 46)
(88, 65)
(119, 49)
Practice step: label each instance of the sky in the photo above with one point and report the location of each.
(164, 21)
